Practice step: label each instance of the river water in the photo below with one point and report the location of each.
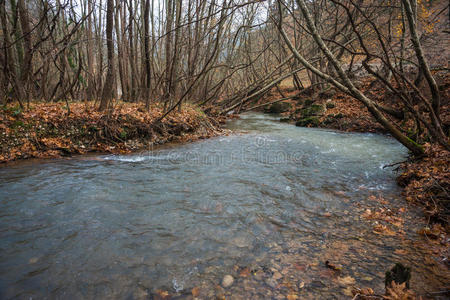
(274, 200)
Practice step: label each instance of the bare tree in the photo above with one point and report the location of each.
(108, 91)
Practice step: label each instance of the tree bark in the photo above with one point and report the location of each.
(27, 67)
(147, 53)
(90, 93)
(108, 91)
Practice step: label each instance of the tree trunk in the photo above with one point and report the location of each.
(168, 50)
(27, 67)
(108, 91)
(9, 59)
(346, 85)
(90, 93)
(120, 47)
(147, 53)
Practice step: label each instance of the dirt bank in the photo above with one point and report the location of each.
(48, 130)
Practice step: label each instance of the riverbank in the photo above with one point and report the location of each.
(49, 130)
(426, 180)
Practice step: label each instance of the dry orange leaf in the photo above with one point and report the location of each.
(195, 291)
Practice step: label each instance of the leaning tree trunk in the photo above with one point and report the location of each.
(345, 85)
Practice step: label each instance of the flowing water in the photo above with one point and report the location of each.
(268, 206)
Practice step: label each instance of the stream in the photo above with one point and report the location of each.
(270, 200)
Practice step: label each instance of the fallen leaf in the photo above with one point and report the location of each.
(245, 272)
(195, 292)
(400, 252)
(433, 234)
(383, 229)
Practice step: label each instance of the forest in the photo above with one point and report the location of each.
(86, 84)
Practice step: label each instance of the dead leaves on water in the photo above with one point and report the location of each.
(385, 219)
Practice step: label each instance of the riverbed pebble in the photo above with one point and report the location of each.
(277, 275)
(227, 281)
(271, 282)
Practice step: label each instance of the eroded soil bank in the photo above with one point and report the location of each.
(48, 130)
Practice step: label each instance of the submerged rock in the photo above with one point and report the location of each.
(399, 274)
(227, 281)
(277, 275)
(271, 282)
(241, 242)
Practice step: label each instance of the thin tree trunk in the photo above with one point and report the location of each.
(27, 67)
(108, 91)
(90, 57)
(147, 53)
(411, 17)
(10, 64)
(133, 92)
(120, 50)
(168, 51)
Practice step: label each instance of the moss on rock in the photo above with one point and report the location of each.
(278, 107)
(313, 121)
(330, 105)
(313, 110)
(308, 102)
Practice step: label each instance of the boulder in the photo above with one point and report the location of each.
(328, 120)
(358, 84)
(313, 121)
(330, 104)
(278, 107)
(308, 102)
(327, 93)
(312, 110)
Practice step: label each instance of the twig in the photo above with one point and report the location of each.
(394, 164)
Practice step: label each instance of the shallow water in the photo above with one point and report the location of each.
(278, 197)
